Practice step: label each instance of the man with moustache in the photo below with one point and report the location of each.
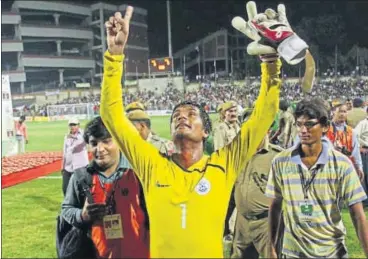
(226, 130)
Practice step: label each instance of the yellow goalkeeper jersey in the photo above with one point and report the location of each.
(186, 207)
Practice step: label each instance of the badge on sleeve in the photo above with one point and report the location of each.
(113, 227)
(203, 187)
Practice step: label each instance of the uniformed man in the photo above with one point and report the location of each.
(226, 130)
(220, 115)
(251, 228)
(286, 131)
(224, 133)
(357, 113)
(142, 122)
(134, 106)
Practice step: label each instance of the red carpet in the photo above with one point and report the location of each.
(29, 174)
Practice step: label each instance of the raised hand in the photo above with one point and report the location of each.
(255, 47)
(275, 31)
(118, 31)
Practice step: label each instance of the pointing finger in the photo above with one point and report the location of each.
(251, 10)
(128, 14)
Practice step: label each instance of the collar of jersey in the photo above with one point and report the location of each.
(322, 159)
(199, 166)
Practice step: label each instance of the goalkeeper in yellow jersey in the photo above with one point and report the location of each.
(188, 192)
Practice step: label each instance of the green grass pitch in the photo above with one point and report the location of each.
(29, 210)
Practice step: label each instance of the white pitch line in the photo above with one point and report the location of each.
(50, 177)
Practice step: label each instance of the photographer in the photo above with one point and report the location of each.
(344, 139)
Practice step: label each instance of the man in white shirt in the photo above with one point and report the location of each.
(361, 130)
(74, 153)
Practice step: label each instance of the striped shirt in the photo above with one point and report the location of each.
(336, 180)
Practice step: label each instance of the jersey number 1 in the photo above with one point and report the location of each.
(183, 215)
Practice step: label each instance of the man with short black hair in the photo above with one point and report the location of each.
(118, 198)
(187, 193)
(309, 182)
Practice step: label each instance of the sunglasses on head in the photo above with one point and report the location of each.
(73, 124)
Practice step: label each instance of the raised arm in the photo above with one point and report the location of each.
(140, 154)
(252, 132)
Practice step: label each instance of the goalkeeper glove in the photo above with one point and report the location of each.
(267, 53)
(275, 31)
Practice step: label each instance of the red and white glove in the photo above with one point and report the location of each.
(271, 33)
(275, 31)
(266, 52)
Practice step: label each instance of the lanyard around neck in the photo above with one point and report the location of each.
(307, 184)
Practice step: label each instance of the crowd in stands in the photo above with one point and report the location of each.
(212, 95)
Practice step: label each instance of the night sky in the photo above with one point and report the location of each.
(194, 19)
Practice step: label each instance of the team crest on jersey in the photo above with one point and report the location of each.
(203, 187)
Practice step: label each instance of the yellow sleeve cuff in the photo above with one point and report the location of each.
(271, 69)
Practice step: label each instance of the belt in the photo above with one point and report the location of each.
(258, 217)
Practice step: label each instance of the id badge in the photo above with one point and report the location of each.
(113, 227)
(306, 211)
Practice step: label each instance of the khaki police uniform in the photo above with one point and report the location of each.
(223, 134)
(287, 128)
(220, 116)
(165, 146)
(251, 230)
(355, 115)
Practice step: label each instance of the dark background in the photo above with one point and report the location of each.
(344, 22)
(329, 27)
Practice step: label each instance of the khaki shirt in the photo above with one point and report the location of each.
(287, 128)
(250, 198)
(355, 115)
(163, 145)
(224, 133)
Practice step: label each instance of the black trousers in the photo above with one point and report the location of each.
(66, 179)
